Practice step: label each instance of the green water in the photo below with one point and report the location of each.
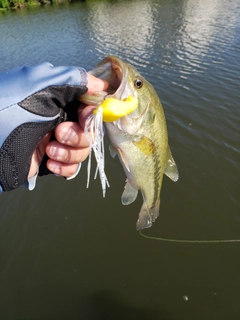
(67, 253)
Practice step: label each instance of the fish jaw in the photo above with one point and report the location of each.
(115, 72)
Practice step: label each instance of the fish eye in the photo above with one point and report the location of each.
(138, 83)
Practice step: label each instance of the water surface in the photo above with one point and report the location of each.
(67, 253)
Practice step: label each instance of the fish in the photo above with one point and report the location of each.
(139, 139)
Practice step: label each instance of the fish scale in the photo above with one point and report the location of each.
(140, 139)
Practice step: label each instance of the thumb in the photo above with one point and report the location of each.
(38, 155)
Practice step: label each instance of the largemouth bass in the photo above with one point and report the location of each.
(140, 139)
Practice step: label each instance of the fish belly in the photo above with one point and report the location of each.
(143, 173)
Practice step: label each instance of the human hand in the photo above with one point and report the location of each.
(71, 145)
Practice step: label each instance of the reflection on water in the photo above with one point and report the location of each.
(120, 28)
(64, 250)
(202, 21)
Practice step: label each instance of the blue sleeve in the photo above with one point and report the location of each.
(19, 83)
(32, 100)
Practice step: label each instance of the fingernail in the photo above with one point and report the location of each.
(55, 168)
(56, 153)
(66, 134)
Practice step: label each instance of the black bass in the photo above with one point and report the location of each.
(140, 139)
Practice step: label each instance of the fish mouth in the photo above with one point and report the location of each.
(115, 72)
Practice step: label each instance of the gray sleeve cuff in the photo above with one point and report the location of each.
(83, 77)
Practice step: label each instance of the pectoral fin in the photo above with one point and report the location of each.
(129, 194)
(114, 152)
(145, 145)
(171, 168)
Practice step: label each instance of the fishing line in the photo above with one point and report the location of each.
(188, 241)
(94, 131)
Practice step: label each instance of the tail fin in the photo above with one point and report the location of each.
(147, 216)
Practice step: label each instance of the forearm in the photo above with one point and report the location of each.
(32, 100)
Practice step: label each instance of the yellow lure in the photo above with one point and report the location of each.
(114, 109)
